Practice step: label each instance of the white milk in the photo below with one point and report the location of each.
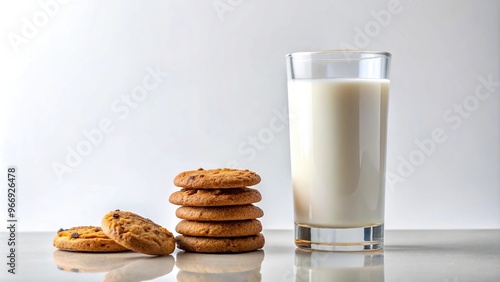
(338, 146)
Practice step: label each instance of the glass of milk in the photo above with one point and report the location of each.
(338, 126)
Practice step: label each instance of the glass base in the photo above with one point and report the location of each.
(339, 239)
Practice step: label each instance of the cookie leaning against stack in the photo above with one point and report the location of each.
(217, 211)
(137, 233)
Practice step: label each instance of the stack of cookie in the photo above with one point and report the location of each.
(217, 211)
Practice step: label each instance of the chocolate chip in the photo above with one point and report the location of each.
(115, 215)
(74, 235)
(117, 210)
(60, 230)
(191, 178)
(191, 191)
(75, 270)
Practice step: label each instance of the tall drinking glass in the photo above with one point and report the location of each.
(338, 126)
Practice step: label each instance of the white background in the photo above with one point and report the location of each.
(226, 86)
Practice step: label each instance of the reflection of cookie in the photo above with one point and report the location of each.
(219, 263)
(248, 276)
(216, 178)
(85, 239)
(144, 269)
(215, 197)
(220, 245)
(236, 228)
(137, 233)
(91, 262)
(219, 213)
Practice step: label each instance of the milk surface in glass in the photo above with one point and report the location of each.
(338, 144)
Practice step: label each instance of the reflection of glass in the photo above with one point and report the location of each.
(127, 266)
(219, 267)
(328, 266)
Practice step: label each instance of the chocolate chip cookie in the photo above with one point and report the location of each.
(222, 213)
(215, 197)
(216, 178)
(86, 239)
(137, 233)
(237, 228)
(220, 245)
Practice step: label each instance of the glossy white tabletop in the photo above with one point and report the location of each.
(444, 256)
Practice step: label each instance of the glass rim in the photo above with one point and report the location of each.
(305, 53)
